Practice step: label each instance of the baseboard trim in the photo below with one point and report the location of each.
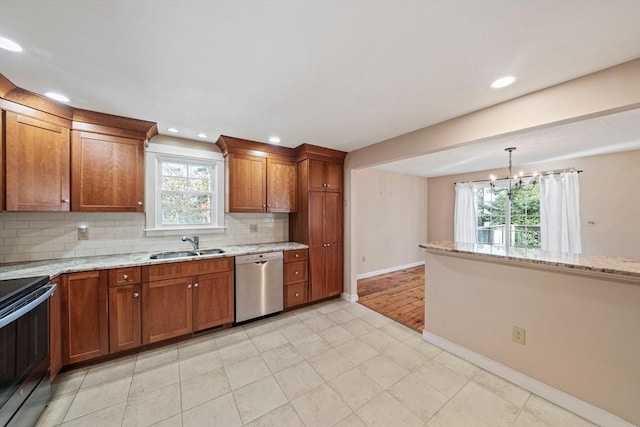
(349, 297)
(388, 270)
(552, 394)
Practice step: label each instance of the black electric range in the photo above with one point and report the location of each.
(14, 289)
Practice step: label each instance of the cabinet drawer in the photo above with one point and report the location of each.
(295, 294)
(186, 268)
(295, 272)
(296, 255)
(124, 276)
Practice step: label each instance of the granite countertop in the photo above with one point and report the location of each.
(55, 267)
(628, 268)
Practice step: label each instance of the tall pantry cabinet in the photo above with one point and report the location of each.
(318, 222)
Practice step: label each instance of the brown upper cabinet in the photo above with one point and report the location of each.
(99, 169)
(107, 173)
(324, 176)
(260, 177)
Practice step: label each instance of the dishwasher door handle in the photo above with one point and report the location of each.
(261, 262)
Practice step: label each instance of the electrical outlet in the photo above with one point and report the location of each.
(83, 233)
(518, 335)
(253, 228)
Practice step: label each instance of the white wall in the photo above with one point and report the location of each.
(392, 219)
(609, 198)
(34, 236)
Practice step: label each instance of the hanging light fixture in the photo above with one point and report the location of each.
(515, 182)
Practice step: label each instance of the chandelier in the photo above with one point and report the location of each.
(515, 182)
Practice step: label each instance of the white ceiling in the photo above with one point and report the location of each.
(342, 74)
(600, 135)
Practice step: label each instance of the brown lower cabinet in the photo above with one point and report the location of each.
(296, 278)
(125, 330)
(325, 271)
(84, 309)
(55, 338)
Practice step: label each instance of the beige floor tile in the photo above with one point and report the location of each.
(154, 379)
(379, 340)
(214, 413)
(491, 408)
(330, 364)
(175, 421)
(269, 340)
(307, 313)
(355, 388)
(383, 371)
(281, 357)
(357, 309)
(399, 331)
(200, 364)
(527, 419)
(246, 372)
(357, 351)
(203, 388)
(553, 414)
(418, 343)
(405, 356)
(155, 358)
(55, 411)
(196, 346)
(351, 421)
(503, 388)
(238, 352)
(336, 335)
(108, 417)
(330, 306)
(67, 382)
(415, 393)
(340, 316)
(319, 323)
(258, 398)
(284, 416)
(152, 407)
(375, 319)
(102, 396)
(229, 337)
(358, 327)
(457, 364)
(384, 411)
(109, 371)
(320, 407)
(298, 379)
(259, 327)
(452, 415)
(283, 321)
(442, 378)
(311, 345)
(296, 331)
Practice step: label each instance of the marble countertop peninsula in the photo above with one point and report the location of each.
(55, 267)
(624, 268)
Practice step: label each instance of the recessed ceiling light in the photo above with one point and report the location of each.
(173, 130)
(274, 140)
(10, 45)
(503, 82)
(56, 96)
(202, 135)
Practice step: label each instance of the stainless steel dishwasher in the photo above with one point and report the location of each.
(259, 285)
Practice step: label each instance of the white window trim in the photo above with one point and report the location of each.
(157, 152)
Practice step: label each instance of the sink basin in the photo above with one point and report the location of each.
(185, 254)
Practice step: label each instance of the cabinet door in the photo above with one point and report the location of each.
(316, 175)
(124, 318)
(317, 274)
(281, 186)
(37, 165)
(55, 333)
(333, 176)
(246, 183)
(84, 316)
(332, 218)
(316, 218)
(212, 300)
(107, 173)
(167, 309)
(333, 269)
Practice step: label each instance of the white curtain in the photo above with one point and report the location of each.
(560, 213)
(465, 220)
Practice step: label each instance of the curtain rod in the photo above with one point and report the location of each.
(525, 176)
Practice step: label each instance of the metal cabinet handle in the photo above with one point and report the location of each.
(264, 206)
(136, 294)
(297, 272)
(189, 286)
(65, 200)
(297, 255)
(139, 203)
(125, 277)
(195, 285)
(297, 294)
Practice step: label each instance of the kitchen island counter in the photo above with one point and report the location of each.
(56, 267)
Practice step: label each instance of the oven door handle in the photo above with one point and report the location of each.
(51, 287)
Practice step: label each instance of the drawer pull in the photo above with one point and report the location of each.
(297, 294)
(139, 203)
(189, 286)
(195, 285)
(297, 272)
(297, 255)
(136, 294)
(125, 277)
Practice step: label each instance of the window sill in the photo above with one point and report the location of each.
(158, 232)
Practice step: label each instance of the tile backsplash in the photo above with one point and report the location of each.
(34, 236)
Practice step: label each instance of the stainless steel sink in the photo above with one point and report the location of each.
(186, 254)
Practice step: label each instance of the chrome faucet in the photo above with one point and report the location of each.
(195, 241)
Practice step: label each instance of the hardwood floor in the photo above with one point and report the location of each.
(398, 295)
